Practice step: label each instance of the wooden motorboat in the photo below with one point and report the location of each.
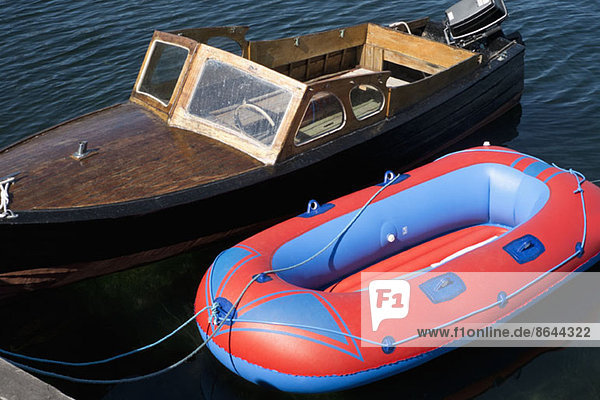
(211, 143)
(472, 236)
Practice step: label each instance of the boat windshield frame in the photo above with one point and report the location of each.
(256, 77)
(148, 98)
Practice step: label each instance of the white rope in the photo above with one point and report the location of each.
(400, 23)
(5, 212)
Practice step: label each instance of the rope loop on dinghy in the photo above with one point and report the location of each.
(213, 314)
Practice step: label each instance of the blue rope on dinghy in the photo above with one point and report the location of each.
(222, 320)
(212, 317)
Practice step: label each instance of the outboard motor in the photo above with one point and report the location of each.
(471, 20)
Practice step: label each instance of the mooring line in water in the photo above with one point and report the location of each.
(103, 361)
(146, 376)
(124, 380)
(197, 349)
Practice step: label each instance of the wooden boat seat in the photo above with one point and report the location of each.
(422, 256)
(395, 82)
(390, 83)
(358, 71)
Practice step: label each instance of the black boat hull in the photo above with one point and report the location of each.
(49, 248)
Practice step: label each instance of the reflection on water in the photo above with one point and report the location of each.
(98, 318)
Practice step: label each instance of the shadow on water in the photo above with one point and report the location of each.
(498, 132)
(101, 317)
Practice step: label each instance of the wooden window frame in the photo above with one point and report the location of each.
(163, 110)
(182, 118)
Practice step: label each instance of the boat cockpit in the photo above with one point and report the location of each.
(282, 97)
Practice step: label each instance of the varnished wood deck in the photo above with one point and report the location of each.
(136, 156)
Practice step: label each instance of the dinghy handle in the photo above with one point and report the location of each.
(525, 249)
(314, 208)
(389, 176)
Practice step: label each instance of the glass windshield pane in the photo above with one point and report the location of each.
(163, 70)
(237, 100)
(325, 114)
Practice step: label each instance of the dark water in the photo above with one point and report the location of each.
(59, 59)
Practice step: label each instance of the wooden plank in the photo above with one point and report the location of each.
(341, 66)
(298, 70)
(403, 96)
(150, 102)
(366, 59)
(274, 53)
(411, 62)
(137, 156)
(333, 62)
(325, 64)
(416, 47)
(350, 59)
(316, 65)
(377, 59)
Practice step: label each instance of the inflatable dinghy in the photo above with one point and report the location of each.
(286, 307)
